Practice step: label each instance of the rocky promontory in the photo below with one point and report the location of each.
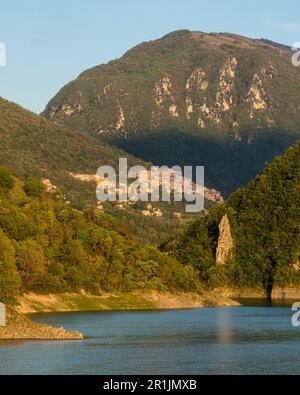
(20, 327)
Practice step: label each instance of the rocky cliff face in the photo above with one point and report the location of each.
(186, 78)
(20, 327)
(225, 242)
(217, 100)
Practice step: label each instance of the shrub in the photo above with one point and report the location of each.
(34, 188)
(6, 179)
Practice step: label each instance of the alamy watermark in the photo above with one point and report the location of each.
(158, 184)
(296, 315)
(2, 54)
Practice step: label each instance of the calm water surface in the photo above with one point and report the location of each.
(240, 340)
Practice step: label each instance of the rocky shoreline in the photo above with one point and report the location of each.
(20, 327)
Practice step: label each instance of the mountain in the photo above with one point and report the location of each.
(253, 240)
(224, 101)
(47, 246)
(33, 146)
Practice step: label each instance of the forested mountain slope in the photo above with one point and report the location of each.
(253, 240)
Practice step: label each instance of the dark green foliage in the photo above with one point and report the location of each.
(34, 187)
(229, 164)
(47, 246)
(266, 216)
(197, 245)
(16, 223)
(10, 281)
(30, 261)
(132, 224)
(6, 179)
(265, 221)
(35, 147)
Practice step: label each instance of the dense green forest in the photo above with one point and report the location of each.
(47, 246)
(265, 222)
(32, 146)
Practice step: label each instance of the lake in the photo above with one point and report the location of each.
(238, 340)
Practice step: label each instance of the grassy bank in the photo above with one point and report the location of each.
(33, 303)
(150, 300)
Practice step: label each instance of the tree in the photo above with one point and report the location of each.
(34, 187)
(6, 178)
(10, 281)
(46, 246)
(16, 224)
(30, 261)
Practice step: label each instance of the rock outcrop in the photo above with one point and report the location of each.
(225, 242)
(20, 327)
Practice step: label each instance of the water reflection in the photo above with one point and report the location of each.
(225, 330)
(242, 340)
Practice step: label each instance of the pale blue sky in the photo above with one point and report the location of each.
(50, 42)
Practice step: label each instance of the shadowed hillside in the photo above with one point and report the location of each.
(224, 101)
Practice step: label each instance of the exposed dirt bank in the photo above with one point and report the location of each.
(19, 327)
(288, 293)
(188, 300)
(33, 303)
